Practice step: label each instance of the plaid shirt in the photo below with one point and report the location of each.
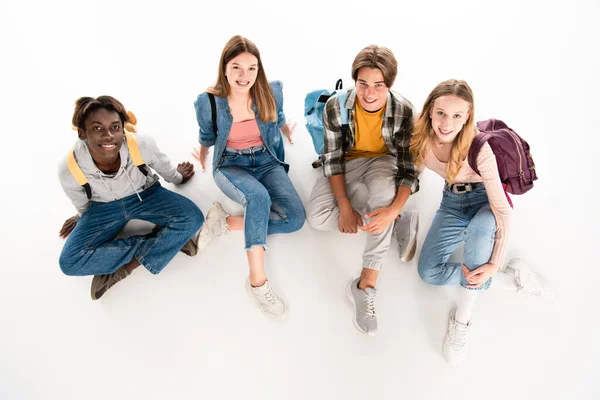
(396, 132)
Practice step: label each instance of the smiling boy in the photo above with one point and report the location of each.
(373, 153)
(116, 192)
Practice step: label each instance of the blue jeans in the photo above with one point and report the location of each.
(91, 249)
(461, 217)
(256, 180)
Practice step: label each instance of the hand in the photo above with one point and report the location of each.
(186, 169)
(479, 276)
(287, 131)
(68, 226)
(349, 220)
(381, 219)
(200, 155)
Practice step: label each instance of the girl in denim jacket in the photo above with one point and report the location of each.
(474, 209)
(248, 161)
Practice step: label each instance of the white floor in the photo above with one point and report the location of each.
(192, 331)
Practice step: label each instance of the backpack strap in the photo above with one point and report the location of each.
(78, 174)
(344, 112)
(134, 151)
(478, 141)
(80, 177)
(213, 111)
(324, 96)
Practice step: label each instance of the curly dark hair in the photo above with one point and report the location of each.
(84, 106)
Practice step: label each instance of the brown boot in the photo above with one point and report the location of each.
(190, 248)
(101, 283)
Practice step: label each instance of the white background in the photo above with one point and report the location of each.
(192, 331)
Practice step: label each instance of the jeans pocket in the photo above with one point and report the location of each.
(229, 157)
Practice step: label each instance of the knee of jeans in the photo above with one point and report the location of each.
(296, 218)
(197, 220)
(258, 198)
(484, 228)
(193, 216)
(67, 263)
(426, 272)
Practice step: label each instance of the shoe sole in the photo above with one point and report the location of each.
(452, 364)
(412, 244)
(93, 290)
(276, 317)
(351, 300)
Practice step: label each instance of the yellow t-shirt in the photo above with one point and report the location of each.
(368, 142)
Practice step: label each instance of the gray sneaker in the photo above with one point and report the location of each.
(363, 301)
(214, 226)
(267, 300)
(405, 232)
(101, 283)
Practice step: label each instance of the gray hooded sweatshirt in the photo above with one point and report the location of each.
(127, 181)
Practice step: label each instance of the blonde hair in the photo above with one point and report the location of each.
(374, 56)
(423, 130)
(260, 92)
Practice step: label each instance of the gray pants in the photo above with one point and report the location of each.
(370, 184)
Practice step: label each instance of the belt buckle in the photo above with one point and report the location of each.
(461, 188)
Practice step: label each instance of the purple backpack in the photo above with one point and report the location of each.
(515, 165)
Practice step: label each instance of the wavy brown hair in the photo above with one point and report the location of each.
(423, 131)
(260, 92)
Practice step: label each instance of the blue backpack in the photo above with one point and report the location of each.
(314, 105)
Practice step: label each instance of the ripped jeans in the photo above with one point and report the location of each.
(255, 179)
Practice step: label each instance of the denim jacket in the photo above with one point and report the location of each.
(269, 132)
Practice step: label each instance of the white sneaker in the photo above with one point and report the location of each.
(267, 300)
(528, 281)
(455, 342)
(214, 226)
(405, 232)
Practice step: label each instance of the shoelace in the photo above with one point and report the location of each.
(458, 335)
(370, 306)
(268, 297)
(220, 227)
(530, 290)
(531, 287)
(118, 276)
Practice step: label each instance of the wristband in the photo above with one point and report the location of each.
(341, 197)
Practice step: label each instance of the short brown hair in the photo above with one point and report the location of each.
(382, 58)
(84, 106)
